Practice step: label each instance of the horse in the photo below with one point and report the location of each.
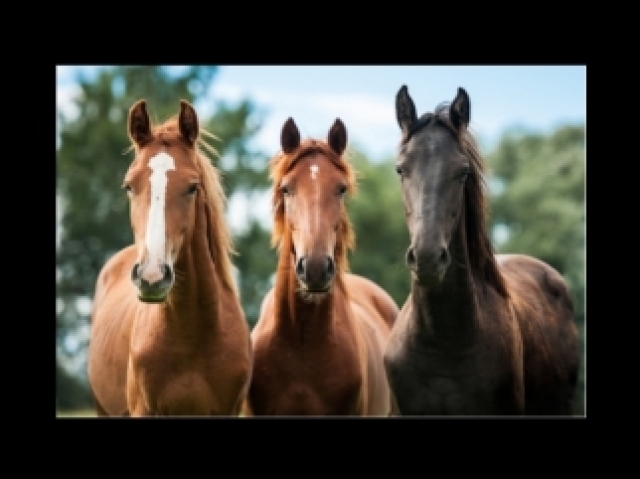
(319, 340)
(480, 333)
(168, 334)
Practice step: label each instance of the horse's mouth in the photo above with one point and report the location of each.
(156, 293)
(427, 280)
(317, 290)
(314, 294)
(152, 299)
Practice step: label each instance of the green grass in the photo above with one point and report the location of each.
(84, 413)
(78, 413)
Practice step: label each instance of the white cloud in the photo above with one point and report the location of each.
(371, 111)
(226, 92)
(64, 73)
(65, 95)
(368, 118)
(65, 105)
(268, 138)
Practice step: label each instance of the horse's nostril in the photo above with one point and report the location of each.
(135, 271)
(301, 266)
(330, 267)
(167, 273)
(410, 257)
(444, 256)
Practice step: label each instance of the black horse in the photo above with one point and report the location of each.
(479, 334)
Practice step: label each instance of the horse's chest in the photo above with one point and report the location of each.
(172, 379)
(439, 383)
(287, 381)
(437, 395)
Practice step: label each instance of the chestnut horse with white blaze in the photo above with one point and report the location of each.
(321, 334)
(168, 334)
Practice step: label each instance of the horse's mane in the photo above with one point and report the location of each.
(481, 253)
(219, 234)
(281, 164)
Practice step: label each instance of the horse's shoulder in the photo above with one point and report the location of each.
(519, 265)
(371, 321)
(367, 293)
(116, 270)
(124, 258)
(358, 281)
(265, 320)
(267, 302)
(522, 262)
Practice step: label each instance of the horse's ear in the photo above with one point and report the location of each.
(337, 137)
(405, 110)
(139, 125)
(290, 136)
(188, 122)
(460, 109)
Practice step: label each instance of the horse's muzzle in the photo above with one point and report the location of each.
(315, 274)
(152, 292)
(428, 268)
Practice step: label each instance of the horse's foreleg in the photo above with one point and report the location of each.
(394, 410)
(100, 411)
(245, 409)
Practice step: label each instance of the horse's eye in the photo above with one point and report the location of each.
(285, 190)
(464, 173)
(192, 189)
(126, 187)
(342, 189)
(399, 170)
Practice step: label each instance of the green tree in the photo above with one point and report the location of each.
(245, 174)
(538, 206)
(90, 166)
(257, 262)
(377, 215)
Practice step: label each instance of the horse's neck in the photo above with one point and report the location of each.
(449, 311)
(193, 304)
(300, 319)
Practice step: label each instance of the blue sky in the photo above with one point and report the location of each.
(537, 98)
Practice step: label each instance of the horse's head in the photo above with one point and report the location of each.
(162, 184)
(433, 168)
(310, 182)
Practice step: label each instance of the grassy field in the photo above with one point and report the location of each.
(79, 413)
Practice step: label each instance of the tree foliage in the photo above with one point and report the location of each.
(244, 174)
(377, 214)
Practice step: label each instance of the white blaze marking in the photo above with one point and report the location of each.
(316, 216)
(156, 232)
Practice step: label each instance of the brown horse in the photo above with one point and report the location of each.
(168, 335)
(320, 338)
(478, 334)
